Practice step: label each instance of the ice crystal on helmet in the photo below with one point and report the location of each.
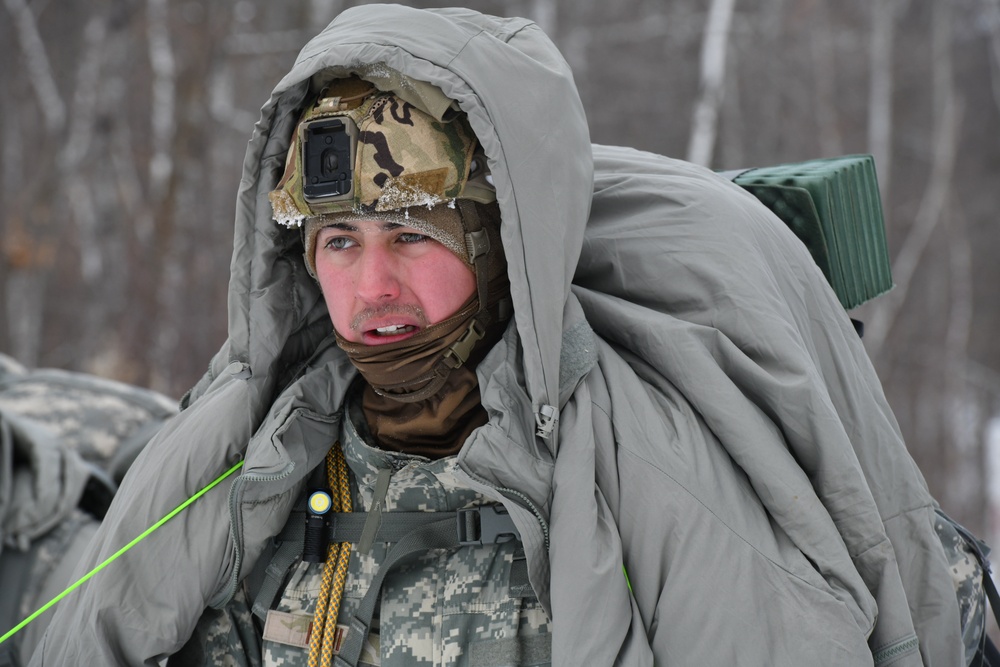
(398, 194)
(285, 211)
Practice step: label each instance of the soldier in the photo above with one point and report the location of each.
(567, 403)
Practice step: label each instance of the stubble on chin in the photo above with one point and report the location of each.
(385, 310)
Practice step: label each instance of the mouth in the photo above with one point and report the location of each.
(389, 333)
(393, 330)
(388, 324)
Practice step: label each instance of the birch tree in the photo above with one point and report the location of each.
(880, 89)
(27, 250)
(991, 17)
(824, 72)
(705, 118)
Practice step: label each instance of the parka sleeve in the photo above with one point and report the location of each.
(144, 604)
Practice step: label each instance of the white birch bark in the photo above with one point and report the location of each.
(880, 90)
(81, 127)
(704, 124)
(39, 70)
(161, 58)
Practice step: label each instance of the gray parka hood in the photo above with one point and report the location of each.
(680, 395)
(482, 63)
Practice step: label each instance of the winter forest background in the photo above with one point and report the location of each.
(124, 124)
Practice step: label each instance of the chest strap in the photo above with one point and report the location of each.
(411, 533)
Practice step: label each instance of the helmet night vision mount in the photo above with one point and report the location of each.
(329, 147)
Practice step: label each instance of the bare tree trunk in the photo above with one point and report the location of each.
(992, 16)
(546, 14)
(161, 337)
(881, 89)
(161, 57)
(824, 74)
(733, 142)
(965, 483)
(27, 252)
(81, 128)
(713, 77)
(126, 173)
(25, 291)
(221, 94)
(36, 59)
(948, 116)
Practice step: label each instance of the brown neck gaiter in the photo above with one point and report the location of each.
(434, 427)
(412, 369)
(413, 401)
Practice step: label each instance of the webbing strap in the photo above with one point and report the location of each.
(392, 527)
(518, 583)
(438, 535)
(374, 519)
(981, 552)
(484, 524)
(274, 576)
(344, 527)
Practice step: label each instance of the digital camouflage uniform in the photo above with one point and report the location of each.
(450, 607)
(967, 575)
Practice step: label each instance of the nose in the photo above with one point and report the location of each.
(376, 280)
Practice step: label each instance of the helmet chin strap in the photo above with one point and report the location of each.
(477, 245)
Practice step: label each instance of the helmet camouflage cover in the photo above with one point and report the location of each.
(401, 157)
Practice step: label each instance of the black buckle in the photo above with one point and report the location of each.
(486, 524)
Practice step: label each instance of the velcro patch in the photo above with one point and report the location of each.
(288, 628)
(295, 629)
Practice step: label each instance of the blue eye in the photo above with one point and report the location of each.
(411, 237)
(339, 243)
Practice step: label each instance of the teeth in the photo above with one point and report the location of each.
(392, 328)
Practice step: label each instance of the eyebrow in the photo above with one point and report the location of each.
(385, 226)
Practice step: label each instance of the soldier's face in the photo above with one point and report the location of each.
(384, 282)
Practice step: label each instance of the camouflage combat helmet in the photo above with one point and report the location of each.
(400, 157)
(380, 156)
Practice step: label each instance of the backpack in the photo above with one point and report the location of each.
(66, 440)
(834, 207)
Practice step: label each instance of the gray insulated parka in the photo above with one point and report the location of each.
(679, 392)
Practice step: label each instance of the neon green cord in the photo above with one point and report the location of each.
(627, 582)
(144, 535)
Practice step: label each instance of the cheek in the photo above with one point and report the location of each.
(337, 296)
(445, 287)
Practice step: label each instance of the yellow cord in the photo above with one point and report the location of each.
(338, 557)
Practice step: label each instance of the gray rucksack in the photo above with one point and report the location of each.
(66, 440)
